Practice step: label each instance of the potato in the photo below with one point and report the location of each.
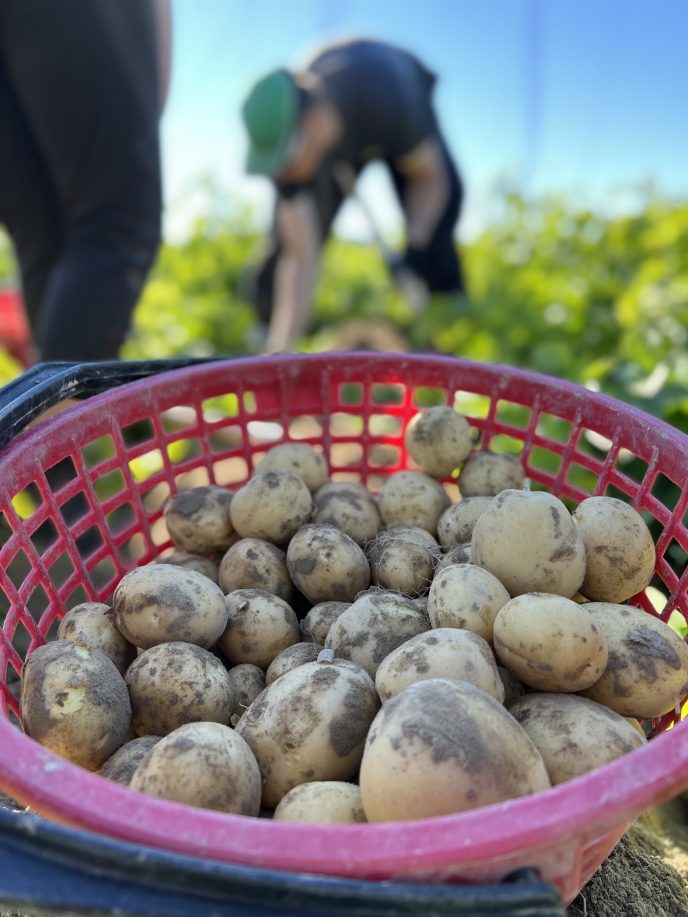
(310, 725)
(441, 747)
(372, 627)
(324, 802)
(247, 682)
(550, 643)
(528, 540)
(158, 603)
(291, 658)
(574, 735)
(412, 498)
(272, 506)
(92, 625)
(259, 626)
(513, 689)
(120, 767)
(198, 519)
(74, 702)
(438, 440)
(349, 507)
(319, 619)
(455, 525)
(486, 473)
(205, 765)
(445, 652)
(459, 554)
(208, 566)
(621, 553)
(647, 671)
(401, 560)
(252, 563)
(177, 683)
(300, 459)
(466, 596)
(326, 565)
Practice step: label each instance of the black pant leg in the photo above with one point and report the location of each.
(86, 78)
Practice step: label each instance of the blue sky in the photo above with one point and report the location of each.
(587, 97)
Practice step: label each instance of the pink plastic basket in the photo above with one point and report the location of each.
(128, 449)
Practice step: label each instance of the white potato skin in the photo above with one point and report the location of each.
(325, 564)
(549, 642)
(438, 439)
(445, 652)
(300, 459)
(621, 552)
(310, 724)
(259, 626)
(528, 540)
(207, 765)
(247, 682)
(322, 802)
(487, 473)
(647, 672)
(198, 519)
(92, 624)
(441, 747)
(74, 702)
(120, 767)
(412, 498)
(349, 507)
(574, 735)
(160, 603)
(272, 506)
(401, 561)
(466, 596)
(456, 524)
(252, 563)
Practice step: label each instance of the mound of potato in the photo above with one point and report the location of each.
(308, 650)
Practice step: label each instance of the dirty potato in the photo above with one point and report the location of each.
(647, 672)
(487, 473)
(372, 627)
(322, 802)
(300, 459)
(208, 566)
(198, 519)
(621, 552)
(550, 643)
(441, 747)
(205, 765)
(259, 626)
(438, 439)
(326, 564)
(466, 596)
(252, 563)
(74, 702)
(349, 507)
(319, 619)
(574, 735)
(412, 498)
(176, 683)
(445, 652)
(528, 540)
(247, 682)
(272, 506)
(159, 603)
(120, 767)
(92, 624)
(310, 725)
(294, 656)
(459, 554)
(456, 524)
(403, 559)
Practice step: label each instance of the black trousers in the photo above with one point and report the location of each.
(80, 186)
(438, 264)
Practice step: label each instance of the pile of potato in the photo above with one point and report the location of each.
(313, 652)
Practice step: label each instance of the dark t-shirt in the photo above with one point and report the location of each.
(383, 95)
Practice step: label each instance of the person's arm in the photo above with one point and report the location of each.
(295, 272)
(427, 191)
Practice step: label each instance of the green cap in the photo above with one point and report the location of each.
(270, 115)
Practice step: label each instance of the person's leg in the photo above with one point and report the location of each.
(29, 208)
(85, 76)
